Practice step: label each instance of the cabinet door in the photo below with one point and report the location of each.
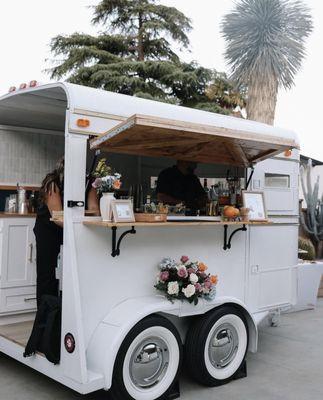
(272, 260)
(279, 181)
(18, 259)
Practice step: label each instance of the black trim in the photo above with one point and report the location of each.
(73, 203)
(226, 242)
(116, 244)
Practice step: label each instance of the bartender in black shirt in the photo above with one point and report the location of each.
(179, 184)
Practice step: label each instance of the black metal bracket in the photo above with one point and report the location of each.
(227, 243)
(116, 243)
(72, 203)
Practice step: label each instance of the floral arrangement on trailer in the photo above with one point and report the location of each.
(105, 180)
(186, 280)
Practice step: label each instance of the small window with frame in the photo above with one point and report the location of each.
(277, 181)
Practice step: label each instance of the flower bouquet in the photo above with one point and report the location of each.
(185, 280)
(105, 180)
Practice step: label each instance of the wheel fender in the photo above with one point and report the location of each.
(112, 330)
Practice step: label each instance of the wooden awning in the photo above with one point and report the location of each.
(159, 137)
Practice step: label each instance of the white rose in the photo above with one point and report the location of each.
(189, 290)
(172, 288)
(193, 278)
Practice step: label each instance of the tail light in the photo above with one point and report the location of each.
(82, 123)
(69, 343)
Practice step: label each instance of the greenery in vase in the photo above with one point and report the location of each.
(105, 180)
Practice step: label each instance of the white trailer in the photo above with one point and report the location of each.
(128, 338)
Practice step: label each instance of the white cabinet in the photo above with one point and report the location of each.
(278, 179)
(17, 264)
(272, 266)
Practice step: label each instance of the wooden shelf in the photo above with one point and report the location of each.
(16, 215)
(169, 224)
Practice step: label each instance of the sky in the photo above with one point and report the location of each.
(26, 28)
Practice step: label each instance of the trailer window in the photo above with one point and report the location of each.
(277, 181)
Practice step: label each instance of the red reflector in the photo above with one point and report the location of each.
(33, 83)
(12, 89)
(23, 86)
(69, 343)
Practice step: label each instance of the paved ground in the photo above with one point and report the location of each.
(288, 366)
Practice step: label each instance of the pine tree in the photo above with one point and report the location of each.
(133, 54)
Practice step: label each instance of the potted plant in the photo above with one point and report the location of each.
(106, 183)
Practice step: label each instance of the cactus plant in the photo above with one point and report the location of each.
(312, 219)
(307, 245)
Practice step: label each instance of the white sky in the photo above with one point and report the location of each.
(26, 28)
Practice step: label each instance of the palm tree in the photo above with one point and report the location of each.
(265, 46)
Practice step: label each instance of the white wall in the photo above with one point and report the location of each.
(26, 157)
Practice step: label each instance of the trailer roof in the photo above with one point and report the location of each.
(45, 106)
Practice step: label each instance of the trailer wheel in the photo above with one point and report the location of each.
(148, 361)
(216, 346)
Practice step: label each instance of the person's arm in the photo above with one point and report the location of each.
(93, 201)
(167, 199)
(54, 201)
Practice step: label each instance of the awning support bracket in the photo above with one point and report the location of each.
(250, 177)
(116, 243)
(227, 243)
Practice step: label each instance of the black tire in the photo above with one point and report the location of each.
(197, 351)
(124, 385)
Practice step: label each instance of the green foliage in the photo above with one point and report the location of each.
(133, 56)
(307, 245)
(312, 221)
(266, 38)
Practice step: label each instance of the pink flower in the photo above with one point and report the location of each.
(203, 275)
(97, 183)
(198, 287)
(191, 270)
(207, 284)
(182, 272)
(184, 259)
(164, 275)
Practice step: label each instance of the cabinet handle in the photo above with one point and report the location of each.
(30, 259)
(29, 299)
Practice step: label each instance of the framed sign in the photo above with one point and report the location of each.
(255, 201)
(122, 211)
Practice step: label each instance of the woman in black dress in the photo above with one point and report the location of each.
(49, 234)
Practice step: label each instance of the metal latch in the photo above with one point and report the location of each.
(73, 203)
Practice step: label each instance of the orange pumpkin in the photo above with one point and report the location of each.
(230, 212)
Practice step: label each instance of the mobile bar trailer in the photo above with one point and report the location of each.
(118, 333)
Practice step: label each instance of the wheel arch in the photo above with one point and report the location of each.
(112, 330)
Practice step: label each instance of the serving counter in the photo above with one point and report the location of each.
(16, 215)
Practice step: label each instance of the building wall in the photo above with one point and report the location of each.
(26, 157)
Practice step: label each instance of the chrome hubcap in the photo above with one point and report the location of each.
(149, 362)
(223, 345)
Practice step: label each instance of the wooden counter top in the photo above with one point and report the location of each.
(168, 224)
(16, 215)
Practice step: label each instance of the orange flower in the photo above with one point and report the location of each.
(214, 279)
(117, 184)
(202, 267)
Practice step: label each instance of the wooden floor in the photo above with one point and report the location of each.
(18, 333)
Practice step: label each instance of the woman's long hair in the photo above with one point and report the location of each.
(52, 180)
